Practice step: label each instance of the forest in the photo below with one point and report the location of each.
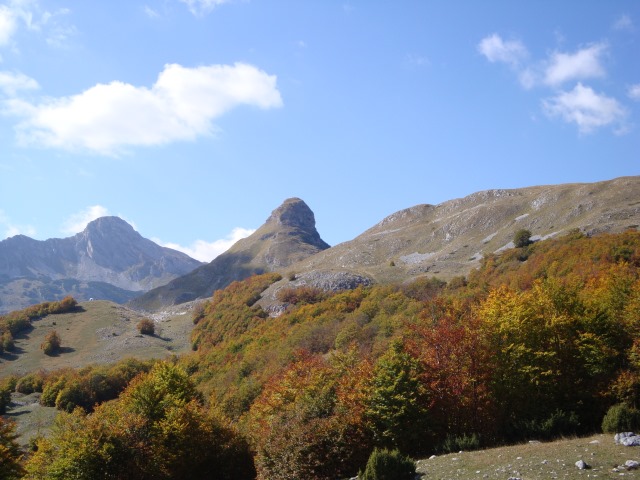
(539, 342)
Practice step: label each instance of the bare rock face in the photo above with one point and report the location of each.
(288, 236)
(108, 260)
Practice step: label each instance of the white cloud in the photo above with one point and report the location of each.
(585, 63)
(199, 7)
(150, 12)
(495, 49)
(11, 230)
(207, 251)
(12, 82)
(30, 15)
(634, 91)
(415, 60)
(8, 25)
(586, 108)
(78, 221)
(181, 105)
(623, 22)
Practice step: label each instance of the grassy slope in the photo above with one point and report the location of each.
(536, 461)
(101, 332)
(88, 338)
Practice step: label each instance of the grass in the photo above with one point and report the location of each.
(32, 419)
(99, 332)
(547, 460)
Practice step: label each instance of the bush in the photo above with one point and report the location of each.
(300, 295)
(465, 442)
(621, 418)
(32, 382)
(522, 238)
(146, 327)
(388, 465)
(5, 394)
(52, 343)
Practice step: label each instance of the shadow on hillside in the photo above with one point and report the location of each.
(12, 413)
(13, 354)
(62, 351)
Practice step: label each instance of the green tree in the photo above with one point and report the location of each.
(388, 465)
(397, 406)
(522, 238)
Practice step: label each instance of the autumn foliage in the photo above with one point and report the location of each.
(527, 347)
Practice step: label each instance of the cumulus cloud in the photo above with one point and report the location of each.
(199, 7)
(12, 82)
(78, 221)
(586, 108)
(181, 105)
(585, 63)
(634, 91)
(207, 251)
(495, 49)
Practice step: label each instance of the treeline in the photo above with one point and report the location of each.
(541, 341)
(14, 322)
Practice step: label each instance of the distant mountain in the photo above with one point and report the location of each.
(288, 236)
(108, 260)
(451, 238)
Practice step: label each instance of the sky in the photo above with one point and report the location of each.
(193, 119)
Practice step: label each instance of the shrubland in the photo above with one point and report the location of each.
(539, 342)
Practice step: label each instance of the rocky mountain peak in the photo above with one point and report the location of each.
(293, 213)
(110, 227)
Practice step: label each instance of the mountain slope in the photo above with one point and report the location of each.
(288, 236)
(451, 238)
(109, 260)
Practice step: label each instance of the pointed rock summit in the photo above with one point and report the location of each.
(288, 236)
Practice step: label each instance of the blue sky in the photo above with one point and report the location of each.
(194, 119)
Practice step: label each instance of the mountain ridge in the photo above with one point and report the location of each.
(287, 236)
(108, 259)
(451, 238)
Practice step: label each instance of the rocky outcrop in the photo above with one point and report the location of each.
(288, 236)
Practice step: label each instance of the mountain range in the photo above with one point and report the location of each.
(110, 260)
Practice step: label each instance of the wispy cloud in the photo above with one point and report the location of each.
(583, 64)
(207, 251)
(8, 25)
(10, 229)
(634, 91)
(623, 22)
(415, 60)
(13, 82)
(495, 49)
(181, 105)
(150, 12)
(586, 108)
(200, 7)
(30, 15)
(78, 221)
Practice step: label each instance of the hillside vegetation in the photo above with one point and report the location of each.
(539, 342)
